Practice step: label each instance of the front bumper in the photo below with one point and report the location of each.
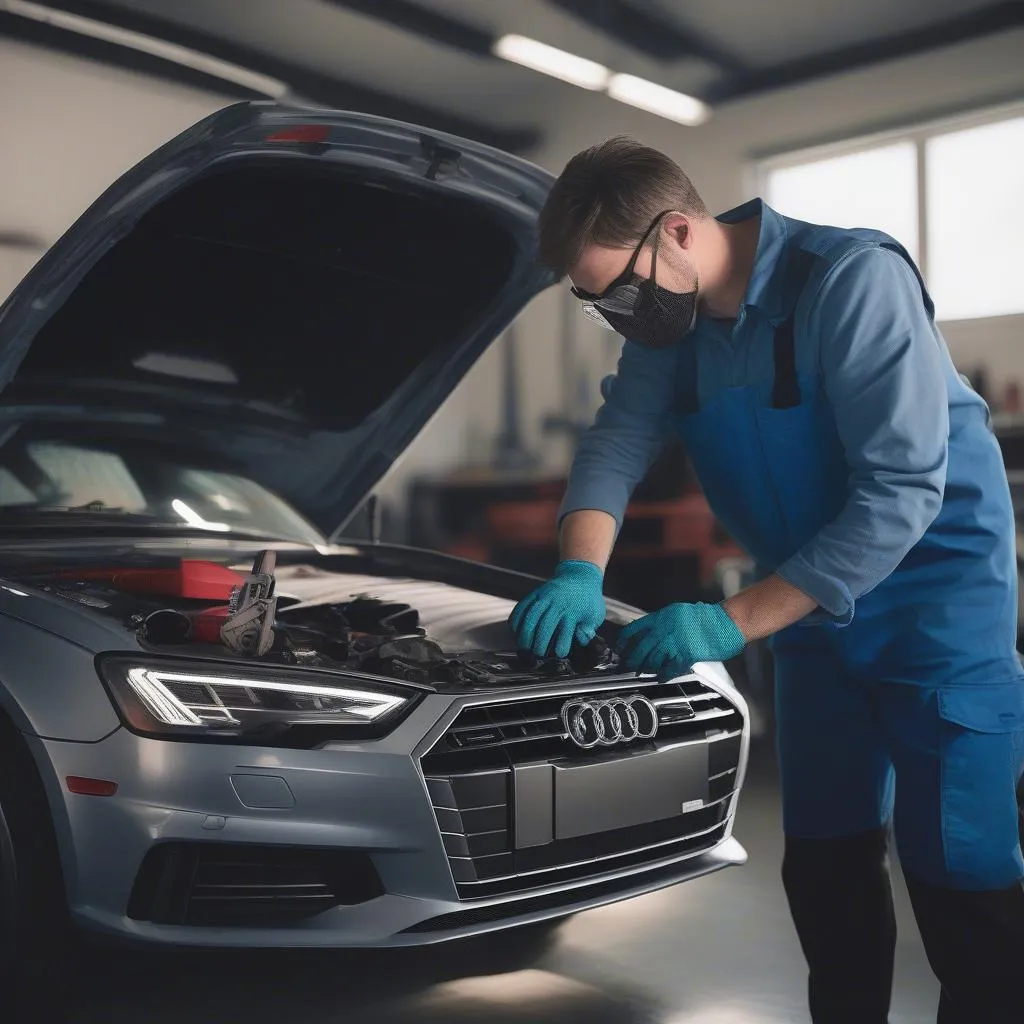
(367, 800)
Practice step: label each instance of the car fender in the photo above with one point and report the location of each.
(49, 686)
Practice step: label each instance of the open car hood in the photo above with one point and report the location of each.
(293, 293)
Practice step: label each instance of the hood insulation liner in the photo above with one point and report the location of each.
(275, 316)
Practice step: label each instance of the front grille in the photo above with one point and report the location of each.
(220, 884)
(469, 774)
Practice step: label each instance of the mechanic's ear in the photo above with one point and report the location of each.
(676, 228)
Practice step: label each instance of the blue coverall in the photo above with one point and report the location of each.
(837, 443)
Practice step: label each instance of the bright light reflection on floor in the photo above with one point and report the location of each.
(728, 1013)
(519, 990)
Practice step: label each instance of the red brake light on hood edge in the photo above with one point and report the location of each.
(301, 133)
(90, 787)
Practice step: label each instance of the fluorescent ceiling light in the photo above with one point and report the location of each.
(656, 99)
(588, 74)
(148, 44)
(549, 61)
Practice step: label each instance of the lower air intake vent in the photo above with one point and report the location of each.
(206, 884)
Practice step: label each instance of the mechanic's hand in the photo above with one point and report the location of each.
(669, 642)
(568, 607)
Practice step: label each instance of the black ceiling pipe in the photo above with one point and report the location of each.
(432, 25)
(999, 17)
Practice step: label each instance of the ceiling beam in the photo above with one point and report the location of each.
(999, 17)
(319, 88)
(22, 240)
(420, 21)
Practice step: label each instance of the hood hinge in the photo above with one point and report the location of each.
(441, 157)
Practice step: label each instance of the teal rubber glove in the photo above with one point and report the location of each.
(670, 641)
(570, 606)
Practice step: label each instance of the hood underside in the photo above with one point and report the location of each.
(294, 314)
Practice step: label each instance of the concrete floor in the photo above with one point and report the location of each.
(719, 950)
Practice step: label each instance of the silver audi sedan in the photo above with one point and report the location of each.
(221, 723)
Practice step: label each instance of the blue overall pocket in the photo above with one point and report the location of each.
(982, 756)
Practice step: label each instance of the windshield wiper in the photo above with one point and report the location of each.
(100, 506)
(94, 508)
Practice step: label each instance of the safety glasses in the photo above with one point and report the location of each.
(620, 297)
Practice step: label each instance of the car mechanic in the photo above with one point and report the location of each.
(802, 368)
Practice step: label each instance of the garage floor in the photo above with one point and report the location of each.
(719, 950)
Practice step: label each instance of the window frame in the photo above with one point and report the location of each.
(919, 134)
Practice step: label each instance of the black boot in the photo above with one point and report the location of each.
(975, 945)
(840, 897)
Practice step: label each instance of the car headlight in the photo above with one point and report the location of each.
(252, 704)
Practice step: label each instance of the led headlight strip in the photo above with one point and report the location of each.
(150, 685)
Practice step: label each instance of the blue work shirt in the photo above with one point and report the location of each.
(867, 333)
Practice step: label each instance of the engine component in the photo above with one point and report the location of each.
(192, 579)
(413, 648)
(361, 633)
(169, 626)
(370, 615)
(249, 629)
(527, 660)
(166, 626)
(590, 657)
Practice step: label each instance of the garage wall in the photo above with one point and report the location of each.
(69, 128)
(719, 157)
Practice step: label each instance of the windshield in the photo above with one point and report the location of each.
(47, 478)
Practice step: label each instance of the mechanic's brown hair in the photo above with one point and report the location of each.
(609, 195)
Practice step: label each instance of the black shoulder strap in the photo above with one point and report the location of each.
(786, 390)
(687, 400)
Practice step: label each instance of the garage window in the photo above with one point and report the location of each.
(975, 211)
(950, 192)
(874, 188)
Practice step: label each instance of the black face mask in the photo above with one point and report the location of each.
(639, 309)
(656, 317)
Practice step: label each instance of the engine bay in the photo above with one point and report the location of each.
(203, 609)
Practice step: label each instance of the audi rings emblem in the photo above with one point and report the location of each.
(593, 723)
